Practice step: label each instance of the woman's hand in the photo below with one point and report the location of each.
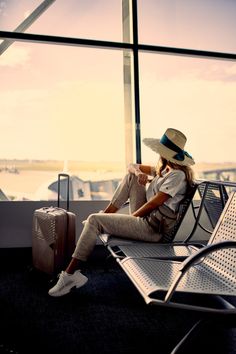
(136, 170)
(141, 171)
(142, 178)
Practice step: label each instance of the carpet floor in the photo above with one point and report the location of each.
(106, 316)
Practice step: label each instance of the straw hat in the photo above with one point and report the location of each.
(171, 147)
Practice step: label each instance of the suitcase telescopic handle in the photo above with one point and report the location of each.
(68, 189)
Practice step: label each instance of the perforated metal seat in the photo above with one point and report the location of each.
(203, 282)
(210, 271)
(213, 199)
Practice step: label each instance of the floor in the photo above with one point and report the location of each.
(105, 316)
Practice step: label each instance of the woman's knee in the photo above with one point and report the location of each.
(93, 220)
(131, 178)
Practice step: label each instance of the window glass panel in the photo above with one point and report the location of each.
(203, 24)
(13, 12)
(100, 19)
(196, 96)
(59, 112)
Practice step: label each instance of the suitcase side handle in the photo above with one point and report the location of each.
(68, 188)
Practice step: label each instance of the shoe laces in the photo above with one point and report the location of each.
(61, 280)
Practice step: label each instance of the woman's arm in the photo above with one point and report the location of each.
(159, 199)
(142, 172)
(136, 168)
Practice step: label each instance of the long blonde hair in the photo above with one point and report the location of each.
(163, 163)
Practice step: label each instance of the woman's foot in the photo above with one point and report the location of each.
(66, 282)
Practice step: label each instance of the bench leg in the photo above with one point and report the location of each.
(187, 337)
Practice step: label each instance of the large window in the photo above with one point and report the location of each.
(84, 82)
(62, 109)
(100, 19)
(195, 95)
(194, 24)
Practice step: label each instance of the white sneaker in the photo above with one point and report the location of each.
(66, 282)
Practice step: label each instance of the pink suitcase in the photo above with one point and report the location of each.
(53, 235)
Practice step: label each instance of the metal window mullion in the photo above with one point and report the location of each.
(136, 81)
(27, 23)
(73, 41)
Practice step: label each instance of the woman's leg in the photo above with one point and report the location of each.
(110, 223)
(129, 188)
(118, 224)
(121, 225)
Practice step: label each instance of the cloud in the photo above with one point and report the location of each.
(15, 56)
(3, 4)
(223, 71)
(2, 8)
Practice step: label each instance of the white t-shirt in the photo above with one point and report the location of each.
(173, 183)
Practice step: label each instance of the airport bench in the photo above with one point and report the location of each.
(212, 197)
(204, 282)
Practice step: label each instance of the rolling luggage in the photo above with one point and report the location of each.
(53, 235)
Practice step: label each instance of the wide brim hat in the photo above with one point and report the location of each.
(171, 147)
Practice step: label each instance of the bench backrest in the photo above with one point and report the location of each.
(224, 261)
(183, 208)
(215, 198)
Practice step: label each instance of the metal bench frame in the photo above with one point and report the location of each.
(210, 272)
(121, 248)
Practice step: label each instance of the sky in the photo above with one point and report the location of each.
(61, 102)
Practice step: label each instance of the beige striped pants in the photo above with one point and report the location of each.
(122, 225)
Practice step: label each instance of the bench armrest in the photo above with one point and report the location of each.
(195, 258)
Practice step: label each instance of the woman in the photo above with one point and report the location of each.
(153, 209)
